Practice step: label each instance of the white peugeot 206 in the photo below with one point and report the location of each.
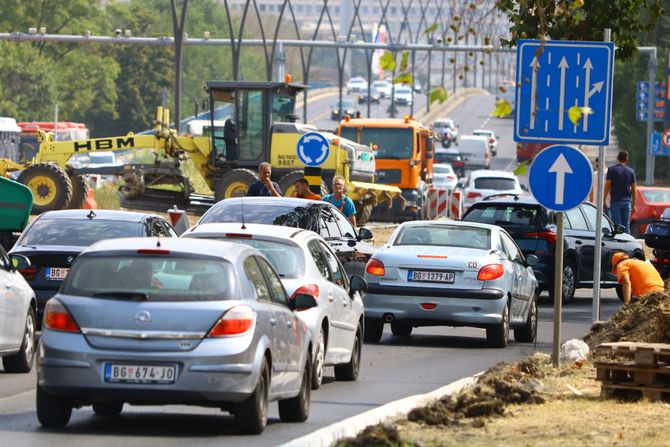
(307, 265)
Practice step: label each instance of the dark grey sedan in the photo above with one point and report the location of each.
(150, 321)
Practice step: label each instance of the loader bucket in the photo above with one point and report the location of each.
(366, 196)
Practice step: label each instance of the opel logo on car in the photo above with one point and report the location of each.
(143, 317)
(69, 259)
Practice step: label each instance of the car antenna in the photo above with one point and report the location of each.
(91, 215)
(242, 206)
(158, 241)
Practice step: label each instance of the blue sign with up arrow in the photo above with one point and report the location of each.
(560, 177)
(313, 149)
(553, 77)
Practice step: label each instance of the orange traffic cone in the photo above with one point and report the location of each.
(90, 203)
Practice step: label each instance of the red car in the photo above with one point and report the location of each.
(650, 202)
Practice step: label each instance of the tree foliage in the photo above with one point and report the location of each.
(582, 20)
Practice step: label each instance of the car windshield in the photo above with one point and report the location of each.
(392, 143)
(445, 236)
(508, 215)
(306, 217)
(482, 133)
(345, 104)
(78, 232)
(656, 195)
(441, 157)
(381, 84)
(443, 169)
(151, 278)
(497, 183)
(287, 259)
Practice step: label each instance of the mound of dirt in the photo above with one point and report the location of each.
(645, 320)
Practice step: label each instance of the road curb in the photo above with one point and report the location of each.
(352, 426)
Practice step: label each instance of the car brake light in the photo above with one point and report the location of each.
(152, 251)
(28, 273)
(58, 318)
(550, 236)
(491, 140)
(472, 195)
(451, 177)
(307, 289)
(375, 267)
(490, 272)
(235, 321)
(238, 235)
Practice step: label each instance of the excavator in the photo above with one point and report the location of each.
(261, 126)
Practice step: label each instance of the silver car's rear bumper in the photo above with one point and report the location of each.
(203, 377)
(458, 307)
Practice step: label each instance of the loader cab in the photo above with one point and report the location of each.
(249, 110)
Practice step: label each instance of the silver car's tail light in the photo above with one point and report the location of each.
(58, 318)
(490, 272)
(375, 267)
(236, 321)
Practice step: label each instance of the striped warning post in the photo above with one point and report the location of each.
(455, 205)
(438, 200)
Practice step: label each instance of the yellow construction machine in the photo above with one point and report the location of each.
(260, 126)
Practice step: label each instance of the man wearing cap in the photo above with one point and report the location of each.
(638, 278)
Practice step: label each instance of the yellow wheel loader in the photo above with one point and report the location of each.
(260, 126)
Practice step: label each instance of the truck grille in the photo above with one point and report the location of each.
(389, 176)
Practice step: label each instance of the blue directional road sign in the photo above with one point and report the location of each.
(551, 81)
(655, 145)
(313, 149)
(560, 177)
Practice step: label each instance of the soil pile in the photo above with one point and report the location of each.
(644, 320)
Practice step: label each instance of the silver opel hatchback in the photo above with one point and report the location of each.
(149, 321)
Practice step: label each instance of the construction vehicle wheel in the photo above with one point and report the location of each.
(234, 184)
(79, 191)
(51, 187)
(363, 213)
(286, 183)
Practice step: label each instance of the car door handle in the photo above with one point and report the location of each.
(330, 298)
(273, 321)
(289, 323)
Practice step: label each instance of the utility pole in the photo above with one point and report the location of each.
(178, 30)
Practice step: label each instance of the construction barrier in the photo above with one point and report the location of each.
(179, 219)
(444, 203)
(90, 203)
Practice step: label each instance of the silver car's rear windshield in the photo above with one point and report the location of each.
(496, 183)
(151, 278)
(79, 232)
(445, 236)
(287, 215)
(287, 259)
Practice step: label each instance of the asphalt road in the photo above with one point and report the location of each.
(430, 358)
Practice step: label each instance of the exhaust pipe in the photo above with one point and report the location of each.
(388, 318)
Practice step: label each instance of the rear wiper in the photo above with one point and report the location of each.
(134, 296)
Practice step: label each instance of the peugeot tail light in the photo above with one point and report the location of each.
(375, 267)
(307, 289)
(490, 272)
(472, 194)
(58, 318)
(236, 321)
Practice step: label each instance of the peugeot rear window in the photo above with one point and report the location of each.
(79, 232)
(287, 259)
(657, 195)
(151, 278)
(508, 215)
(306, 217)
(496, 183)
(445, 236)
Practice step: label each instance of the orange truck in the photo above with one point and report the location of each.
(404, 150)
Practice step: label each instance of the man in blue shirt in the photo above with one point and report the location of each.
(620, 183)
(342, 202)
(264, 186)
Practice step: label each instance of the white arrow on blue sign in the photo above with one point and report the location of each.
(313, 149)
(553, 170)
(655, 145)
(552, 79)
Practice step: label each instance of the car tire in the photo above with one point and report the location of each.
(374, 328)
(348, 372)
(51, 411)
(497, 335)
(296, 409)
(619, 292)
(528, 332)
(108, 409)
(251, 415)
(319, 360)
(401, 329)
(569, 284)
(22, 361)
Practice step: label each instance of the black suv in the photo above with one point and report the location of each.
(320, 217)
(533, 228)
